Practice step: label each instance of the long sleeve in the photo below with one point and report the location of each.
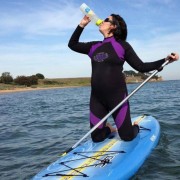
(77, 46)
(134, 61)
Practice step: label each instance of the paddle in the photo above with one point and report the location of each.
(120, 104)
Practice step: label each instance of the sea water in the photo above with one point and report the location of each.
(37, 126)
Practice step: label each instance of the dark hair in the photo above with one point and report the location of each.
(120, 33)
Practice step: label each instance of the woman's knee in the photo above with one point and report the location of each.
(130, 135)
(100, 135)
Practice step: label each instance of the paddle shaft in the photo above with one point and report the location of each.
(119, 105)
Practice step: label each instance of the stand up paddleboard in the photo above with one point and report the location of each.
(111, 159)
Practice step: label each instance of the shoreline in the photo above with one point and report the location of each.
(60, 83)
(24, 89)
(33, 89)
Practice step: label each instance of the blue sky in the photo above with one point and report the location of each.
(34, 34)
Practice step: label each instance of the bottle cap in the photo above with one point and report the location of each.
(98, 22)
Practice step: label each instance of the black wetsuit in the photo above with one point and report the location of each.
(108, 82)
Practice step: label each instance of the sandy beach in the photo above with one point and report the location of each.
(31, 89)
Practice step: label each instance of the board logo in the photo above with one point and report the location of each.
(153, 138)
(106, 160)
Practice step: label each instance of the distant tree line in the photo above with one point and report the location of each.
(7, 78)
(143, 76)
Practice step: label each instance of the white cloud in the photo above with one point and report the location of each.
(50, 19)
(146, 3)
(51, 65)
(21, 48)
(25, 50)
(158, 46)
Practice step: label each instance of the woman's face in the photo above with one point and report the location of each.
(107, 25)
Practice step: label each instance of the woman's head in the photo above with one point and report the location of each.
(114, 25)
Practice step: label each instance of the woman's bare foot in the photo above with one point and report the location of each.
(111, 128)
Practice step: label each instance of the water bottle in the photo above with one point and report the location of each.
(88, 12)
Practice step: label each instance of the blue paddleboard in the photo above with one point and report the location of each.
(111, 159)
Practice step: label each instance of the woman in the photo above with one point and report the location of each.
(108, 86)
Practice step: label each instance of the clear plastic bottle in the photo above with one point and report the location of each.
(88, 12)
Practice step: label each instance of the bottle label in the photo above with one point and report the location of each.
(87, 10)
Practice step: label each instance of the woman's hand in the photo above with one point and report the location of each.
(173, 57)
(84, 21)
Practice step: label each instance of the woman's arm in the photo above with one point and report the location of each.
(134, 61)
(74, 43)
(77, 46)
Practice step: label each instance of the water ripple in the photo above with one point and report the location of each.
(37, 126)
